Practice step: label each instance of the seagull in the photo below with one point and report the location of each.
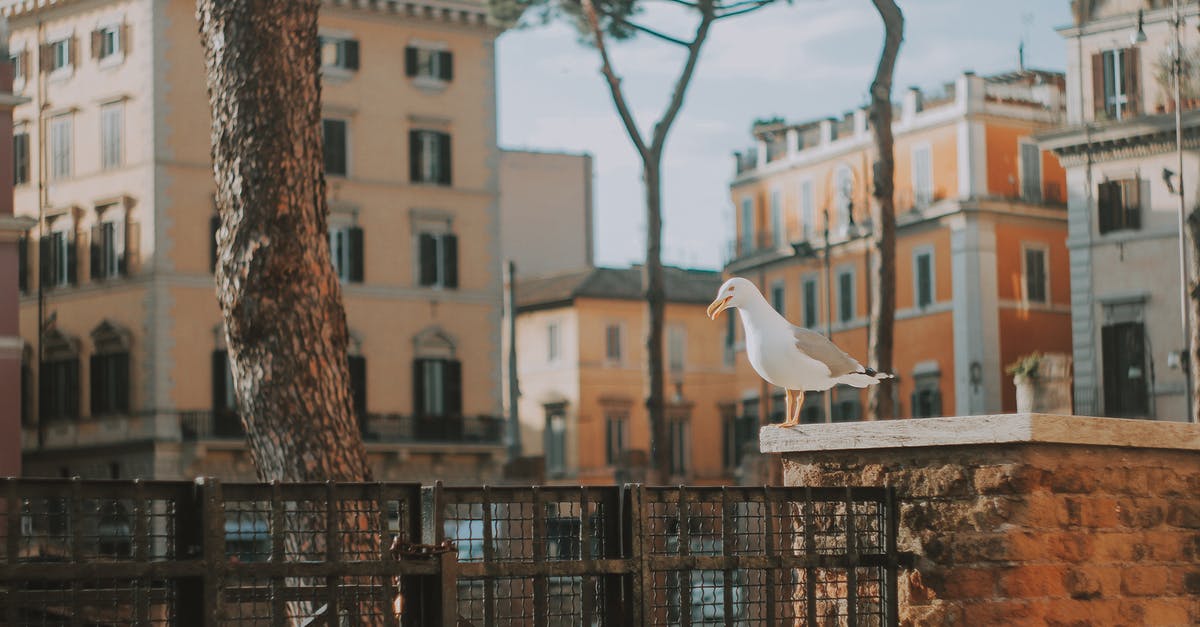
(791, 357)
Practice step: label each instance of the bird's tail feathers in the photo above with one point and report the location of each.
(863, 379)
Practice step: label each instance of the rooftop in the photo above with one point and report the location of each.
(682, 285)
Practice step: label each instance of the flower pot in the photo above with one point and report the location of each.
(1026, 392)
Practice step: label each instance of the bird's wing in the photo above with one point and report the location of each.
(821, 349)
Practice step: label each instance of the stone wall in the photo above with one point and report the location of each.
(1027, 519)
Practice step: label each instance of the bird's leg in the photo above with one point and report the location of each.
(789, 396)
(799, 402)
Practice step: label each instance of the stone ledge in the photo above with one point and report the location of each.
(975, 430)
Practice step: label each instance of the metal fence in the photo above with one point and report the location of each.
(208, 553)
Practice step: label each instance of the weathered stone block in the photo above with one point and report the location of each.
(1033, 581)
(1143, 581)
(1184, 514)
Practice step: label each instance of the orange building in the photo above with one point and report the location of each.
(581, 363)
(981, 258)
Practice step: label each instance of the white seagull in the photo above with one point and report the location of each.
(788, 356)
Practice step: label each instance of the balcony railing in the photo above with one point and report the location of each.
(383, 428)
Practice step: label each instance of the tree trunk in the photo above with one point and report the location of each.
(656, 300)
(280, 300)
(880, 399)
(1192, 244)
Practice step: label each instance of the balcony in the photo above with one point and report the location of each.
(377, 428)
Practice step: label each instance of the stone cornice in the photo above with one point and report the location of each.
(1142, 136)
(1005, 429)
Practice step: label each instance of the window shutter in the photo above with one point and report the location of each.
(96, 374)
(358, 385)
(23, 263)
(1133, 212)
(446, 65)
(97, 43)
(120, 365)
(334, 138)
(428, 252)
(97, 252)
(1098, 85)
(414, 156)
(125, 38)
(73, 51)
(72, 391)
(450, 260)
(45, 57)
(410, 61)
(418, 366)
(913, 407)
(350, 50)
(1104, 207)
(72, 261)
(1133, 88)
(219, 361)
(444, 160)
(356, 254)
(45, 269)
(452, 375)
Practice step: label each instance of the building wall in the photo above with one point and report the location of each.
(167, 302)
(546, 211)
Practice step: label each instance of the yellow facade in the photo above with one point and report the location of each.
(973, 194)
(142, 60)
(593, 379)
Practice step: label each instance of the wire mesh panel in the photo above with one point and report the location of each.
(766, 556)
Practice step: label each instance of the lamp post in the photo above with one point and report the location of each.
(828, 309)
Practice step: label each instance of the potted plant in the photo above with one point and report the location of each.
(1025, 373)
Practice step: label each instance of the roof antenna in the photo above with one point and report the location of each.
(1026, 20)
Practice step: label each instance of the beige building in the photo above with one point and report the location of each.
(581, 362)
(546, 211)
(1117, 147)
(133, 378)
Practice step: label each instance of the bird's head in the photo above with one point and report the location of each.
(732, 294)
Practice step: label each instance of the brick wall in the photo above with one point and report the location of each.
(1037, 533)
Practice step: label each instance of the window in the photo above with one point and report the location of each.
(807, 210)
(847, 406)
(225, 420)
(346, 250)
(110, 382)
(339, 53)
(922, 172)
(747, 225)
(612, 342)
(429, 157)
(739, 431)
(844, 196)
(18, 60)
(615, 431)
(777, 296)
(556, 438)
(357, 366)
(427, 63)
(108, 247)
(59, 378)
(676, 346)
(777, 234)
(923, 285)
(23, 266)
(926, 396)
(846, 295)
(810, 302)
(58, 55)
(106, 42)
(1115, 86)
(112, 122)
(60, 146)
(437, 387)
(1034, 274)
(1120, 204)
(730, 339)
(58, 259)
(813, 410)
(439, 260)
(553, 340)
(677, 435)
(1123, 348)
(1031, 173)
(21, 156)
(333, 134)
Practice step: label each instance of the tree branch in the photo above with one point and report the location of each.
(690, 5)
(650, 31)
(685, 78)
(749, 7)
(719, 7)
(614, 82)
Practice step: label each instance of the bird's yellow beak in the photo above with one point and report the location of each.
(717, 306)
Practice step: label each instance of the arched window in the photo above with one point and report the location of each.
(437, 375)
(109, 370)
(58, 378)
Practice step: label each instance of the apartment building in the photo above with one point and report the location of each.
(129, 376)
(581, 365)
(981, 259)
(546, 211)
(1123, 179)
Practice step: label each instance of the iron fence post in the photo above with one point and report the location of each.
(893, 558)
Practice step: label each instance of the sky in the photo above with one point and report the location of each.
(798, 61)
